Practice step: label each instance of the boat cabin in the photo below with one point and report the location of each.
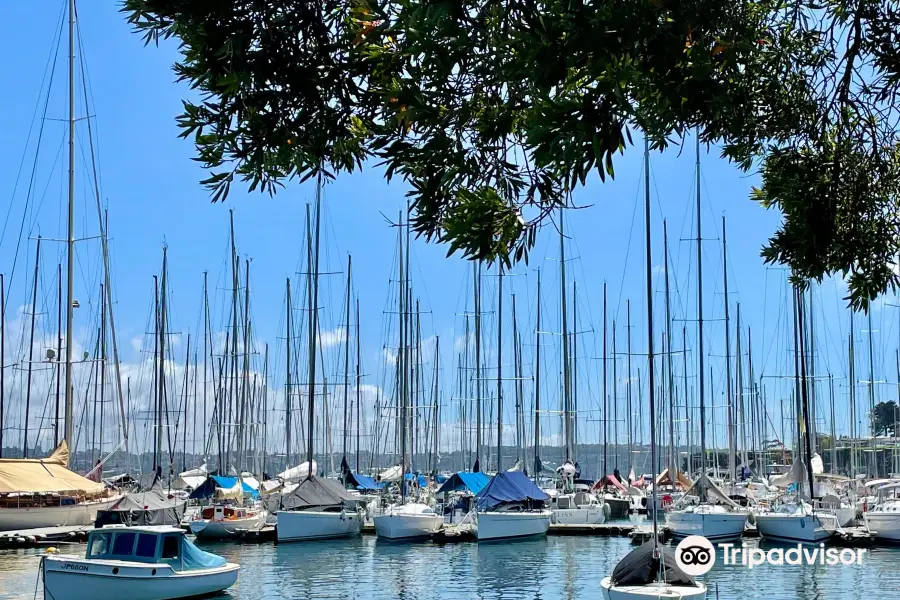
(223, 513)
(151, 545)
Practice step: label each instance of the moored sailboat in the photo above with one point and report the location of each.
(510, 506)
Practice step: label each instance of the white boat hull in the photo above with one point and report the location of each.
(592, 515)
(807, 529)
(505, 525)
(69, 578)
(660, 591)
(714, 526)
(227, 528)
(302, 525)
(394, 526)
(884, 525)
(85, 513)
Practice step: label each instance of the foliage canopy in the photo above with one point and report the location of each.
(495, 110)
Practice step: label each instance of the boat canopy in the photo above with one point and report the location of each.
(464, 480)
(640, 567)
(681, 481)
(223, 487)
(705, 487)
(316, 493)
(609, 480)
(509, 486)
(44, 475)
(364, 482)
(150, 507)
(420, 480)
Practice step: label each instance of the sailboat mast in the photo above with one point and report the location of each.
(58, 374)
(34, 292)
(358, 384)
(673, 461)
(3, 366)
(574, 401)
(436, 405)
(873, 463)
(187, 370)
(313, 329)
(499, 369)
(161, 377)
(628, 387)
(732, 463)
(346, 367)
(804, 393)
(567, 416)
(605, 395)
(741, 409)
(537, 384)
(517, 375)
(700, 367)
(70, 242)
(401, 370)
(288, 337)
(650, 367)
(852, 377)
(615, 399)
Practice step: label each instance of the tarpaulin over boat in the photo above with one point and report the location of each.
(223, 487)
(193, 558)
(609, 480)
(420, 480)
(297, 473)
(473, 482)
(639, 567)
(391, 474)
(704, 487)
(44, 475)
(509, 486)
(795, 475)
(681, 480)
(151, 507)
(317, 493)
(363, 482)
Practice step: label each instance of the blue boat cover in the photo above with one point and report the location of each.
(440, 478)
(193, 558)
(464, 480)
(509, 486)
(208, 488)
(422, 481)
(363, 482)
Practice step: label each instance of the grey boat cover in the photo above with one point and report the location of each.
(150, 507)
(705, 488)
(639, 567)
(317, 493)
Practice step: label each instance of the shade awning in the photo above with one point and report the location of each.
(44, 475)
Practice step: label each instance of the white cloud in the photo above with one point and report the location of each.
(334, 337)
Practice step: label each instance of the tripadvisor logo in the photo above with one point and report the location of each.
(696, 555)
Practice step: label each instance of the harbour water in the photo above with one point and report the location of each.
(557, 568)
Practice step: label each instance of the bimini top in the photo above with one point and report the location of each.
(218, 485)
(639, 567)
(152, 545)
(316, 493)
(464, 480)
(509, 486)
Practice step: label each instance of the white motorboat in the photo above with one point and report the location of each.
(318, 509)
(137, 563)
(884, 518)
(578, 509)
(407, 522)
(222, 521)
(793, 522)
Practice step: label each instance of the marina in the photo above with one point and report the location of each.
(467, 382)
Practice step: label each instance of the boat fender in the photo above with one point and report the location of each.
(606, 510)
(751, 518)
(52, 550)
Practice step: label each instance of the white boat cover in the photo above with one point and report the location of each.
(299, 472)
(795, 475)
(391, 474)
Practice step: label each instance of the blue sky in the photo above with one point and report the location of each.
(150, 185)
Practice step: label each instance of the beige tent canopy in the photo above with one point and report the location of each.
(681, 480)
(44, 475)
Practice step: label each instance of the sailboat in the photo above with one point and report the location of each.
(405, 520)
(46, 492)
(795, 518)
(704, 509)
(883, 520)
(650, 571)
(510, 506)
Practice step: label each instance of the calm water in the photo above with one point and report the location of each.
(552, 568)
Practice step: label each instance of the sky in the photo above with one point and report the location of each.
(150, 187)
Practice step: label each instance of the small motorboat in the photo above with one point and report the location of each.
(137, 563)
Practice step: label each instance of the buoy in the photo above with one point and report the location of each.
(52, 550)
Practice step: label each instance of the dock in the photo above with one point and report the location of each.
(601, 529)
(44, 536)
